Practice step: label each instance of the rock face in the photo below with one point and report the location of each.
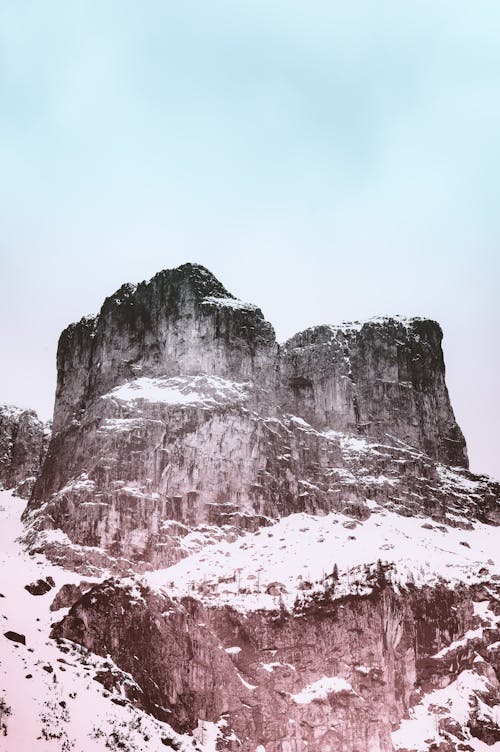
(23, 444)
(176, 408)
(383, 379)
(182, 322)
(336, 675)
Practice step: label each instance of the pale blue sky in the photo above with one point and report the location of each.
(325, 160)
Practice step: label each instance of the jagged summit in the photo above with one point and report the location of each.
(390, 324)
(203, 285)
(202, 282)
(182, 321)
(394, 319)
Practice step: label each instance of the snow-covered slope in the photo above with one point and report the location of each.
(300, 552)
(294, 568)
(51, 695)
(422, 596)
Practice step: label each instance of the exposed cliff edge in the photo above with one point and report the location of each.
(176, 408)
(23, 443)
(182, 322)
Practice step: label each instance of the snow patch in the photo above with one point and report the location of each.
(304, 547)
(203, 391)
(234, 303)
(320, 689)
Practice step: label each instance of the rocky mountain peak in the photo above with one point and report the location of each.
(384, 377)
(171, 288)
(182, 321)
(176, 407)
(202, 281)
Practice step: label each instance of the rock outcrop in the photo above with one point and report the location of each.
(384, 378)
(23, 444)
(176, 408)
(182, 322)
(336, 675)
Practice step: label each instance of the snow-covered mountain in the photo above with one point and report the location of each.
(251, 546)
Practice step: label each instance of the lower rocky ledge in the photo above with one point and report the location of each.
(410, 670)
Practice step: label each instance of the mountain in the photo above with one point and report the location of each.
(273, 547)
(176, 408)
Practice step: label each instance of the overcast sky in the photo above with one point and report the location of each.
(326, 160)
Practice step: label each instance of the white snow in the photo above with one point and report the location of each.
(471, 634)
(352, 444)
(320, 689)
(203, 391)
(301, 422)
(419, 731)
(207, 734)
(362, 670)
(305, 547)
(120, 425)
(233, 303)
(11, 411)
(269, 667)
(65, 710)
(82, 483)
(450, 477)
(483, 611)
(346, 327)
(246, 684)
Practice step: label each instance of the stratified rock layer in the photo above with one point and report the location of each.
(23, 444)
(175, 407)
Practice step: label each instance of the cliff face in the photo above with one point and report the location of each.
(23, 444)
(385, 376)
(182, 322)
(176, 405)
(384, 379)
(335, 675)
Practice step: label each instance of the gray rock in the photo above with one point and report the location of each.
(380, 646)
(23, 444)
(40, 587)
(69, 594)
(384, 378)
(15, 637)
